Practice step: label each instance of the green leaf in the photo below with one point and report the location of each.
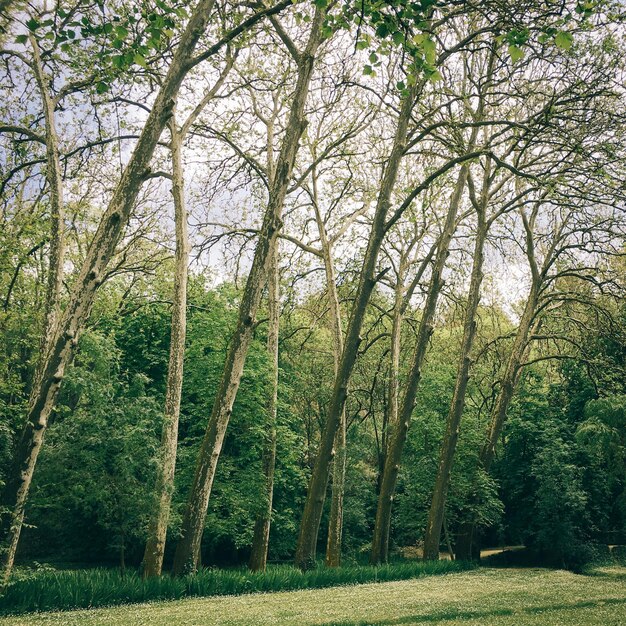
(121, 32)
(430, 51)
(368, 70)
(21, 39)
(102, 87)
(516, 53)
(140, 60)
(382, 31)
(564, 40)
(398, 37)
(32, 24)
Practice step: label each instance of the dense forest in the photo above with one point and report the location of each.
(337, 280)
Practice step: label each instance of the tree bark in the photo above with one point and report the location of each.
(453, 424)
(382, 525)
(335, 524)
(92, 273)
(55, 183)
(260, 541)
(465, 547)
(311, 516)
(185, 558)
(157, 533)
(394, 358)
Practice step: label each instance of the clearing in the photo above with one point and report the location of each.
(482, 597)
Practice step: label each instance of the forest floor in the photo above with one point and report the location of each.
(485, 597)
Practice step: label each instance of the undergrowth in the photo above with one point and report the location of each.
(49, 590)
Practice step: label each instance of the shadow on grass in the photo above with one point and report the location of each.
(467, 615)
(600, 573)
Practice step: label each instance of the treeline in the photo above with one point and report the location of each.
(414, 213)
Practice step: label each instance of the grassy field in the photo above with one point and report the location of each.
(482, 597)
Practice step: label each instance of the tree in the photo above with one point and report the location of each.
(186, 557)
(64, 340)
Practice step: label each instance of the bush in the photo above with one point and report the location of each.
(60, 590)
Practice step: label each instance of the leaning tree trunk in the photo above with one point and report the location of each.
(65, 337)
(12, 521)
(185, 558)
(261, 537)
(465, 536)
(312, 514)
(382, 525)
(453, 423)
(157, 532)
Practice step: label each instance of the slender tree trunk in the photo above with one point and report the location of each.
(311, 516)
(394, 358)
(382, 525)
(55, 184)
(198, 501)
(453, 423)
(92, 273)
(12, 497)
(260, 541)
(157, 533)
(335, 524)
(465, 536)
(402, 300)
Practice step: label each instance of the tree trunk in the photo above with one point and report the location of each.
(382, 525)
(311, 516)
(335, 524)
(157, 533)
(465, 547)
(55, 184)
(394, 359)
(453, 423)
(92, 273)
(198, 501)
(260, 541)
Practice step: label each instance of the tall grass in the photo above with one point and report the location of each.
(59, 590)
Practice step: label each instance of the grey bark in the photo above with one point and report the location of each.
(71, 323)
(382, 525)
(309, 525)
(335, 523)
(185, 558)
(453, 422)
(55, 183)
(157, 532)
(260, 541)
(464, 543)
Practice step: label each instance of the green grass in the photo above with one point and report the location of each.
(50, 590)
(484, 597)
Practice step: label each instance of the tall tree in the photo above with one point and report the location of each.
(157, 531)
(186, 556)
(93, 270)
(262, 524)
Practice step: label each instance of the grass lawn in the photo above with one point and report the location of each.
(482, 597)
